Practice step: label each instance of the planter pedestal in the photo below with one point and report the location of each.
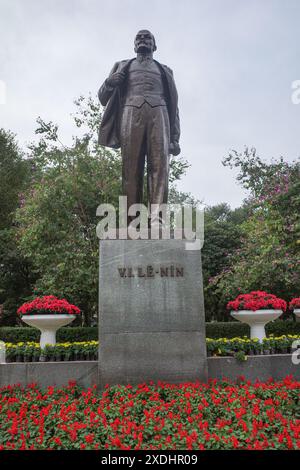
(297, 314)
(256, 320)
(48, 325)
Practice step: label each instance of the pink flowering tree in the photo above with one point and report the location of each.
(269, 256)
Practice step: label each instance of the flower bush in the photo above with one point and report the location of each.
(31, 351)
(88, 350)
(49, 304)
(270, 345)
(188, 416)
(257, 300)
(294, 303)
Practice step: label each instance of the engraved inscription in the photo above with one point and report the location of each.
(150, 271)
(122, 272)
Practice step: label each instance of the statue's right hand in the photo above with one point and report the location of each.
(115, 79)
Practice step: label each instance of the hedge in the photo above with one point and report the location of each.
(238, 329)
(12, 334)
(213, 330)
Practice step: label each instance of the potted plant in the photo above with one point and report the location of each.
(257, 309)
(48, 314)
(294, 305)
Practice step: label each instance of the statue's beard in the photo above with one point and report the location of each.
(143, 49)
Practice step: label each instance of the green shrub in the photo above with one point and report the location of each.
(238, 329)
(67, 334)
(213, 330)
(14, 334)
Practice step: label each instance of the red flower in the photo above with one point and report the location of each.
(89, 438)
(257, 300)
(294, 303)
(260, 415)
(48, 304)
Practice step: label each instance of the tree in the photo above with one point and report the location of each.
(13, 174)
(269, 257)
(222, 230)
(15, 278)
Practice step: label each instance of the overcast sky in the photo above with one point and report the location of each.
(233, 61)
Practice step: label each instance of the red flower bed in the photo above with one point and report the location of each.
(46, 305)
(294, 303)
(257, 300)
(217, 415)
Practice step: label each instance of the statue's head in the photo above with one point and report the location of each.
(144, 42)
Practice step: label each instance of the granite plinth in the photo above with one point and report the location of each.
(151, 312)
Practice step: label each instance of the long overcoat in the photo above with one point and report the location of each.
(111, 98)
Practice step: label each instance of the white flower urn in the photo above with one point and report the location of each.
(48, 325)
(256, 320)
(297, 313)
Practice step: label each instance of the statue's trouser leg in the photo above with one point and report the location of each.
(132, 133)
(158, 142)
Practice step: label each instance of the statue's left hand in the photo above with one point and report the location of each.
(174, 149)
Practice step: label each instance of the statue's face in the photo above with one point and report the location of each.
(144, 42)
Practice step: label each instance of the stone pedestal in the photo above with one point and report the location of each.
(151, 312)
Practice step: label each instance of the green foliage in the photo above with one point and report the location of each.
(240, 356)
(231, 329)
(269, 255)
(222, 238)
(13, 174)
(57, 224)
(15, 274)
(256, 175)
